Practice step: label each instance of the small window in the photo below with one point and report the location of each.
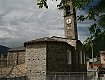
(81, 58)
(84, 59)
(69, 57)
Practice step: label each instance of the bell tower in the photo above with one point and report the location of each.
(70, 24)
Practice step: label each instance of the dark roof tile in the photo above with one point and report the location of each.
(17, 49)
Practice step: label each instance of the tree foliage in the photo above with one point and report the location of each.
(96, 13)
(97, 29)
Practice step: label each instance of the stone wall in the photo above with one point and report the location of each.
(36, 61)
(16, 57)
(15, 78)
(3, 60)
(45, 57)
(57, 57)
(42, 57)
(12, 58)
(21, 57)
(13, 71)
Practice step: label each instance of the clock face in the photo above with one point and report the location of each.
(68, 21)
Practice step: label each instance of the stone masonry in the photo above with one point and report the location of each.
(3, 60)
(44, 56)
(47, 55)
(13, 71)
(36, 61)
(16, 56)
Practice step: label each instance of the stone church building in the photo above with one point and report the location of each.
(54, 54)
(44, 56)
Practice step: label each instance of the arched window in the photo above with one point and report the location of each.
(69, 57)
(81, 58)
(68, 11)
(84, 58)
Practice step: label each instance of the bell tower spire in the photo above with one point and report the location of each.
(70, 24)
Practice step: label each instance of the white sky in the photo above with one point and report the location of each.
(22, 20)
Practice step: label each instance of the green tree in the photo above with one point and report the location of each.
(97, 29)
(96, 12)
